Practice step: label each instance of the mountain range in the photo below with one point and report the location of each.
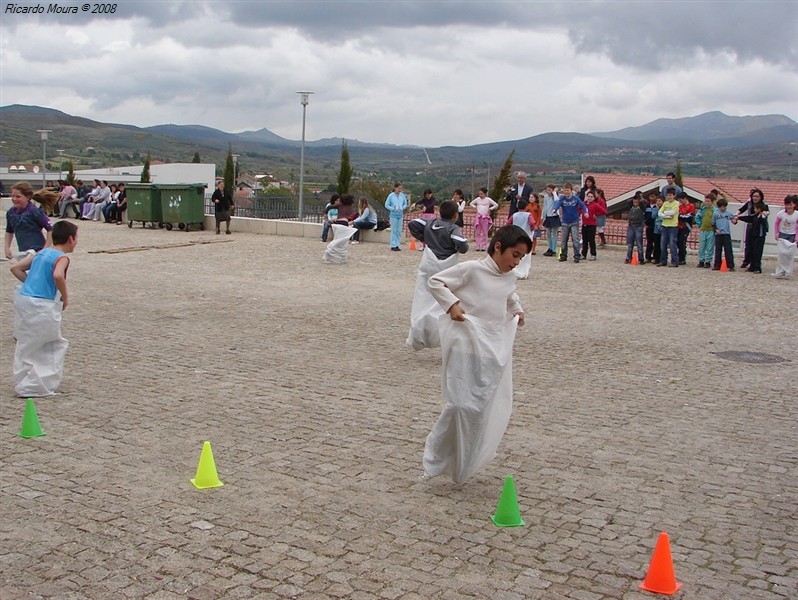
(708, 142)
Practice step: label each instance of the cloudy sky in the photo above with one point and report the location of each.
(405, 72)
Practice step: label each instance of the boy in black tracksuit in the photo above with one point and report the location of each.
(757, 233)
(441, 235)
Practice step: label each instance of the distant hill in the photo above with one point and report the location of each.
(706, 145)
(712, 127)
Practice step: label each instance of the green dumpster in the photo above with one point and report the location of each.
(183, 204)
(143, 204)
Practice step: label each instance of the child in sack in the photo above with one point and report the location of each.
(40, 350)
(477, 337)
(444, 241)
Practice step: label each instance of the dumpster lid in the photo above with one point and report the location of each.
(179, 186)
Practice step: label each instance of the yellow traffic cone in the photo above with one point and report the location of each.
(206, 476)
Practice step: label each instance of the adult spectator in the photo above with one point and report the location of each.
(671, 183)
(754, 196)
(589, 186)
(366, 219)
(117, 207)
(222, 202)
(68, 196)
(521, 190)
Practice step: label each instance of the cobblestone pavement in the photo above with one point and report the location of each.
(625, 424)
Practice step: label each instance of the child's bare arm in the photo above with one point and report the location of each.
(456, 313)
(7, 245)
(59, 276)
(20, 269)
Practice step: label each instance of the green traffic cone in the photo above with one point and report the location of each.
(507, 512)
(30, 422)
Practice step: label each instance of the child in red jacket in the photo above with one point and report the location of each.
(594, 210)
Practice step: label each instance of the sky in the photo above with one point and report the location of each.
(428, 73)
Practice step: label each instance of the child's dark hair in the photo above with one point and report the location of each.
(62, 231)
(670, 190)
(348, 200)
(483, 189)
(722, 202)
(522, 204)
(681, 195)
(508, 237)
(459, 192)
(671, 174)
(791, 199)
(711, 197)
(448, 209)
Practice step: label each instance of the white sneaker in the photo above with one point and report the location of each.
(780, 275)
(591, 257)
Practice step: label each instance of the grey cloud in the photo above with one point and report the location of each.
(646, 35)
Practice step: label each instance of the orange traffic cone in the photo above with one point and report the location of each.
(723, 266)
(412, 243)
(635, 261)
(660, 578)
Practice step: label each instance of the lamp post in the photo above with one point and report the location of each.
(793, 144)
(472, 170)
(43, 133)
(235, 172)
(487, 166)
(304, 100)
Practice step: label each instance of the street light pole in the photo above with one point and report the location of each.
(304, 100)
(793, 144)
(487, 166)
(43, 133)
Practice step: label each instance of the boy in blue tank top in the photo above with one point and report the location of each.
(40, 350)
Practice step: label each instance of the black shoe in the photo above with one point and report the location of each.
(563, 258)
(731, 269)
(395, 249)
(682, 262)
(662, 264)
(755, 271)
(744, 265)
(548, 253)
(700, 265)
(576, 259)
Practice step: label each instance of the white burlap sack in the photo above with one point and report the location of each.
(786, 257)
(477, 391)
(522, 270)
(426, 311)
(337, 251)
(40, 351)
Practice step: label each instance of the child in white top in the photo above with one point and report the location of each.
(786, 227)
(476, 348)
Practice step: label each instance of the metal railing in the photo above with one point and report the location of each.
(287, 208)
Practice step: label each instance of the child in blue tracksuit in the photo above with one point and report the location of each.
(722, 220)
(572, 206)
(396, 203)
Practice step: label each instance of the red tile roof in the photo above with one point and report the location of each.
(621, 186)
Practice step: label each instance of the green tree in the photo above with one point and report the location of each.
(345, 174)
(229, 173)
(70, 169)
(503, 179)
(678, 178)
(196, 158)
(145, 172)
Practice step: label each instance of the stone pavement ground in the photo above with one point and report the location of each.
(625, 424)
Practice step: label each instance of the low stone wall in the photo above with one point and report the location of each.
(291, 228)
